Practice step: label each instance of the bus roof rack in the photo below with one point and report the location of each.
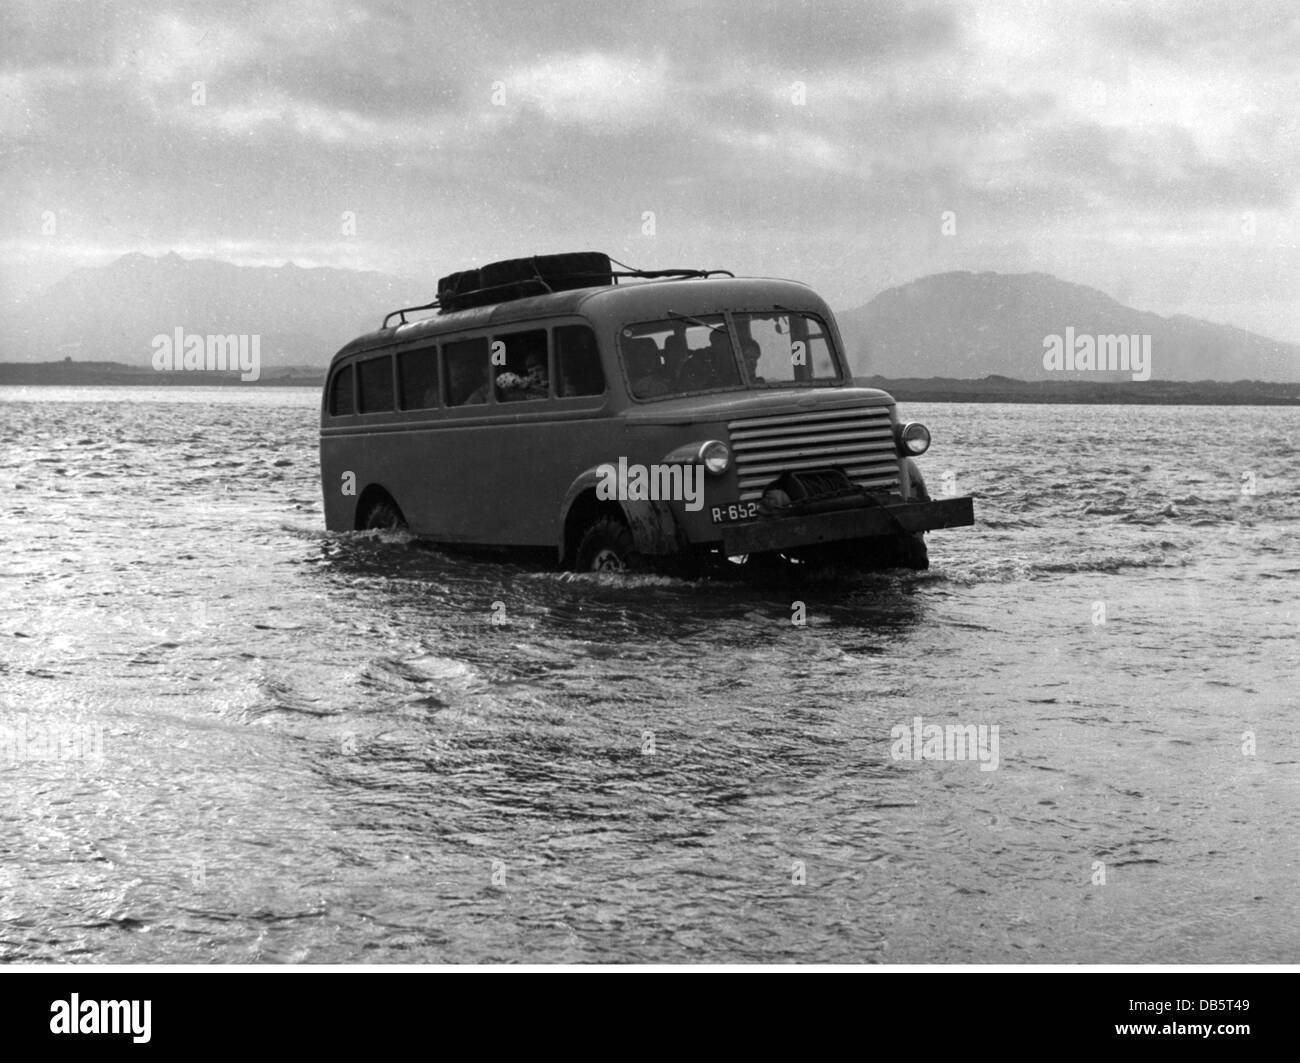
(519, 278)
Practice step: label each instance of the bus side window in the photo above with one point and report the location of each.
(578, 361)
(467, 371)
(375, 385)
(417, 374)
(341, 392)
(525, 373)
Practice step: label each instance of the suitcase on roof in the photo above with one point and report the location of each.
(518, 278)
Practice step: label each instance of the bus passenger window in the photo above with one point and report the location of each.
(578, 361)
(524, 374)
(341, 393)
(417, 374)
(467, 372)
(375, 384)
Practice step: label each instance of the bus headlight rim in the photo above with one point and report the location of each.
(913, 439)
(715, 456)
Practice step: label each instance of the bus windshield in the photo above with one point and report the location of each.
(683, 355)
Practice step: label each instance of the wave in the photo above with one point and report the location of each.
(1020, 569)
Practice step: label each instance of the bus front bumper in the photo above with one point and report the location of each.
(786, 533)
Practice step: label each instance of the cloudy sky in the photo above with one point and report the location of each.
(1151, 150)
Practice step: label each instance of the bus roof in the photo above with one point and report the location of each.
(638, 301)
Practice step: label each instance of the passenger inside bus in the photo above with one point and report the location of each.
(644, 369)
(712, 367)
(521, 373)
(468, 380)
(675, 354)
(578, 361)
(538, 384)
(532, 384)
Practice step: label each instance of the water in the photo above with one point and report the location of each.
(289, 746)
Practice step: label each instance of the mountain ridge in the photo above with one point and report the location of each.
(968, 325)
(956, 324)
(113, 312)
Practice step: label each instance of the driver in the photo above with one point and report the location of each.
(645, 370)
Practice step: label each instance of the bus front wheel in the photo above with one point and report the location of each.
(913, 553)
(607, 546)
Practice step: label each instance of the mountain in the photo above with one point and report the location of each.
(113, 312)
(973, 325)
(968, 325)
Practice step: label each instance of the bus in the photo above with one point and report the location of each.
(624, 419)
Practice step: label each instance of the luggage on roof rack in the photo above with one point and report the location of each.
(518, 278)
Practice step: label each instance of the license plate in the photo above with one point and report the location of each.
(734, 513)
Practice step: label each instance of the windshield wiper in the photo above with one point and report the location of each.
(696, 321)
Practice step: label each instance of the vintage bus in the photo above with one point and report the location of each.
(624, 418)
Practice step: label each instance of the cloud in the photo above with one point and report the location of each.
(820, 140)
(592, 89)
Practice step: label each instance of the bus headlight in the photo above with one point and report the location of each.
(715, 456)
(914, 438)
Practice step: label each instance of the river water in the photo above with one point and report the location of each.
(229, 736)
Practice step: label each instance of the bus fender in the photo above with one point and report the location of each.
(651, 521)
(911, 483)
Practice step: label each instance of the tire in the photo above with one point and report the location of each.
(913, 553)
(881, 554)
(607, 546)
(774, 564)
(383, 515)
(776, 570)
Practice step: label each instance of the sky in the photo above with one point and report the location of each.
(1151, 150)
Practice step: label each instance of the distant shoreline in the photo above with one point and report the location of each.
(1090, 392)
(119, 374)
(933, 389)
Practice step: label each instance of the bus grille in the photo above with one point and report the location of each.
(858, 440)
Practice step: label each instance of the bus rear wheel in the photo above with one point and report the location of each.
(383, 515)
(607, 546)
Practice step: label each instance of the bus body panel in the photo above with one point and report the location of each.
(504, 474)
